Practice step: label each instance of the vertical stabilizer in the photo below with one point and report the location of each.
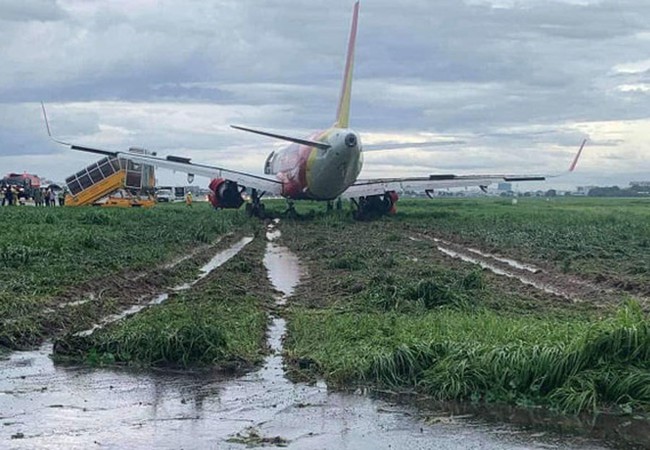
(343, 113)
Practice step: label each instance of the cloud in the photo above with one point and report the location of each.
(31, 10)
(518, 82)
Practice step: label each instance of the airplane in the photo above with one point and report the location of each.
(322, 166)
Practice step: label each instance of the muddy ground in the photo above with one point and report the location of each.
(43, 405)
(79, 307)
(330, 254)
(50, 406)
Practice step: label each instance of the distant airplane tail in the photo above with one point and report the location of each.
(343, 112)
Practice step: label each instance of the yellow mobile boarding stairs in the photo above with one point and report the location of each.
(111, 182)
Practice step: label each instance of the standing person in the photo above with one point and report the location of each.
(22, 197)
(38, 197)
(61, 196)
(46, 196)
(52, 198)
(188, 198)
(9, 196)
(3, 193)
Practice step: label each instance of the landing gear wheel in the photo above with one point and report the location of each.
(374, 206)
(256, 208)
(290, 212)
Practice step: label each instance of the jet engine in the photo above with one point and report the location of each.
(225, 194)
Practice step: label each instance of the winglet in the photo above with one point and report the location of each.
(72, 146)
(575, 160)
(47, 126)
(47, 123)
(343, 112)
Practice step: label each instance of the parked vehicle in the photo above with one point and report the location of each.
(165, 195)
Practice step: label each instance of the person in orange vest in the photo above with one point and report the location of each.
(188, 199)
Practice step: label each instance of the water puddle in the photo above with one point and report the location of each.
(272, 232)
(284, 272)
(283, 268)
(181, 259)
(89, 298)
(511, 262)
(218, 260)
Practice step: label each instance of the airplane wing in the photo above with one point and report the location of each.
(181, 164)
(364, 188)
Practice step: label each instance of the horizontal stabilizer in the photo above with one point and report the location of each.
(307, 142)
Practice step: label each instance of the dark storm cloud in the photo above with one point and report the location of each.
(30, 10)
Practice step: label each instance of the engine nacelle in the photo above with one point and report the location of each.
(225, 194)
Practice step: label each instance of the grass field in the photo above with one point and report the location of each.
(605, 240)
(47, 254)
(220, 322)
(381, 305)
(396, 313)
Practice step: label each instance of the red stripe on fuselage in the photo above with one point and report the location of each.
(291, 169)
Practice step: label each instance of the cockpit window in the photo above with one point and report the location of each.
(267, 164)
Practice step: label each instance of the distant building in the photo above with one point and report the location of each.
(584, 190)
(644, 184)
(504, 187)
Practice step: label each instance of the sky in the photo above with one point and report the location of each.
(476, 86)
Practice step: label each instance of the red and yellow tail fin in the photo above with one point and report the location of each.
(343, 112)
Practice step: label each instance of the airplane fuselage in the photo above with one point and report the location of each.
(318, 174)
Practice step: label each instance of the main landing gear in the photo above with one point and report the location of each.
(256, 208)
(331, 204)
(374, 206)
(290, 212)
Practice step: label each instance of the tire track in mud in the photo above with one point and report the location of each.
(94, 289)
(217, 261)
(95, 295)
(92, 301)
(563, 286)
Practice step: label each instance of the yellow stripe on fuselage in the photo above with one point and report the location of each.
(313, 154)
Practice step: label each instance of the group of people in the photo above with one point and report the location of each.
(15, 195)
